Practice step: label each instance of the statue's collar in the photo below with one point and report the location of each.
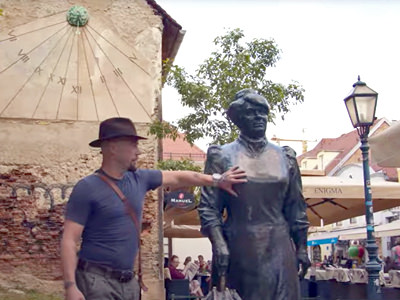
(254, 146)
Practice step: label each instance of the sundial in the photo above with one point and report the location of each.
(68, 66)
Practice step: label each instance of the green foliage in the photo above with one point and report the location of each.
(178, 165)
(182, 165)
(1, 12)
(233, 66)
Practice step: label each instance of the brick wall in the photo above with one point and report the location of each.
(29, 234)
(31, 227)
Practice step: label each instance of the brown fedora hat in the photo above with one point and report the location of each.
(115, 128)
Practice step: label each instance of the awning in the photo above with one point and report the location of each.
(355, 234)
(385, 147)
(384, 230)
(323, 241)
(333, 199)
(320, 238)
(331, 237)
(390, 229)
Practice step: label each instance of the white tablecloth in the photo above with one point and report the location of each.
(346, 275)
(394, 276)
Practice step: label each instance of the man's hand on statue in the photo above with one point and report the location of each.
(222, 260)
(304, 262)
(231, 177)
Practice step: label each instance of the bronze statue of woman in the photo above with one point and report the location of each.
(262, 241)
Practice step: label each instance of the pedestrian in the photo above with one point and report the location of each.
(105, 208)
(396, 255)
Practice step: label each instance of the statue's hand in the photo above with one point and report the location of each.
(221, 254)
(303, 262)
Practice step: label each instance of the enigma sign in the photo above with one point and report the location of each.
(328, 191)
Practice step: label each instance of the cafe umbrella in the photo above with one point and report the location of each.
(333, 199)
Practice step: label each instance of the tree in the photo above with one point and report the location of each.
(178, 165)
(182, 165)
(233, 66)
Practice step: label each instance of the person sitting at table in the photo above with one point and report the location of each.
(388, 264)
(188, 259)
(194, 285)
(396, 255)
(202, 264)
(173, 268)
(349, 263)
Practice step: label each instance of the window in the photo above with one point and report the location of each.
(339, 223)
(353, 220)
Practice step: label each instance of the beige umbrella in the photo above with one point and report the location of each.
(385, 147)
(333, 199)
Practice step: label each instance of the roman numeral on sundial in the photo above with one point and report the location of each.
(77, 89)
(117, 72)
(24, 56)
(13, 36)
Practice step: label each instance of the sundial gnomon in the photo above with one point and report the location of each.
(50, 69)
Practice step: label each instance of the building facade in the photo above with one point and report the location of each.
(341, 157)
(58, 81)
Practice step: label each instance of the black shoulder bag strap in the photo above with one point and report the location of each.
(129, 209)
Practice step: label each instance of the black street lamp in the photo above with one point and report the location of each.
(361, 106)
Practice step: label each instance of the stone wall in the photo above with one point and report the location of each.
(56, 153)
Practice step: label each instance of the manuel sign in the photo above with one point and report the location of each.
(180, 199)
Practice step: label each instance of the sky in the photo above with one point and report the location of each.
(324, 44)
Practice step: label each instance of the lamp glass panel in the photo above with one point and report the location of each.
(351, 109)
(366, 109)
(363, 89)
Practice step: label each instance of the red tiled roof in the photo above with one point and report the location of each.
(343, 144)
(181, 149)
(391, 173)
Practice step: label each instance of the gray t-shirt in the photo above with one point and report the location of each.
(109, 236)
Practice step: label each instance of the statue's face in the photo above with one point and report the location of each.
(253, 121)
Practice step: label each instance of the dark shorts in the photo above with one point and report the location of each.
(94, 286)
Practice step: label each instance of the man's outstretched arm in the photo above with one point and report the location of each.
(179, 179)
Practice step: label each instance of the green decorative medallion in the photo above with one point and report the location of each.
(77, 16)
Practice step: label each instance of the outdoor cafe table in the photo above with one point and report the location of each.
(341, 283)
(345, 275)
(394, 276)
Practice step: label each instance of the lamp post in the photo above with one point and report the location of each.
(361, 106)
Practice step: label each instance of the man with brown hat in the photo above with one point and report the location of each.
(105, 209)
